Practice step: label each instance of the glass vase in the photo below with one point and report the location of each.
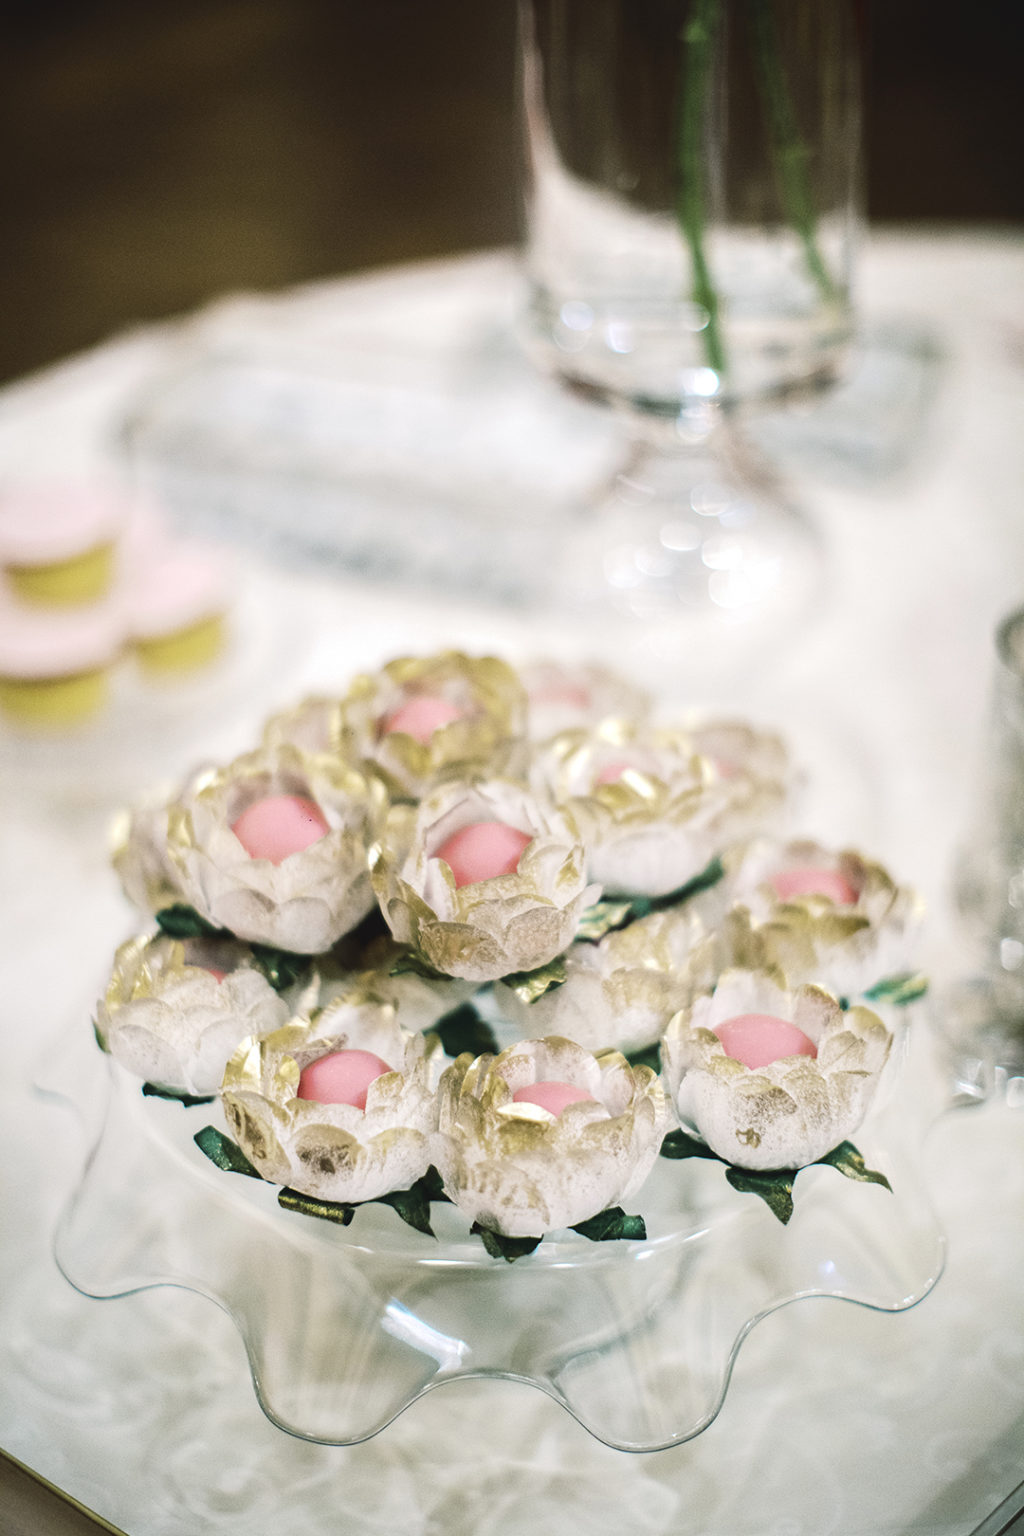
(691, 217)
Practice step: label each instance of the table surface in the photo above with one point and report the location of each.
(838, 1420)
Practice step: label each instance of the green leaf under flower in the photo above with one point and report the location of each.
(851, 1164)
(680, 1144)
(603, 917)
(462, 1030)
(412, 1204)
(615, 912)
(900, 990)
(281, 967)
(501, 1247)
(773, 1185)
(177, 1095)
(224, 1152)
(529, 985)
(611, 1225)
(181, 921)
(412, 964)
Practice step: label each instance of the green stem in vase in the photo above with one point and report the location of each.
(789, 151)
(698, 48)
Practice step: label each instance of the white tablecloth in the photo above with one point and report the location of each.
(838, 1420)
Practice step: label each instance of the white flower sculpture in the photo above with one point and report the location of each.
(419, 1001)
(563, 697)
(333, 1151)
(651, 810)
(308, 900)
(174, 1012)
(516, 1168)
(618, 993)
(795, 1109)
(835, 918)
(483, 930)
(474, 720)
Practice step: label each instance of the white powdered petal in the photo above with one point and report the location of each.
(484, 930)
(792, 1111)
(522, 1171)
(335, 1152)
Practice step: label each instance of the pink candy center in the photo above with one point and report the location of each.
(551, 1096)
(612, 772)
(756, 1039)
(483, 850)
(278, 826)
(341, 1078)
(421, 715)
(814, 882)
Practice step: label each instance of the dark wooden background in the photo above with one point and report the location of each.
(157, 153)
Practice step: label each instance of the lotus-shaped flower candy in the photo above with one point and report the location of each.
(148, 876)
(490, 925)
(421, 719)
(838, 919)
(174, 1012)
(793, 1109)
(564, 697)
(523, 1170)
(619, 992)
(377, 973)
(335, 1151)
(652, 811)
(313, 725)
(299, 894)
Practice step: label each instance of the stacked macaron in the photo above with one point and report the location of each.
(86, 578)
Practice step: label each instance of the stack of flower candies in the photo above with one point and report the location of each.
(345, 915)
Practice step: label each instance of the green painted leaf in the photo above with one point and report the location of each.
(603, 917)
(774, 1185)
(433, 1186)
(413, 1205)
(851, 1164)
(501, 1247)
(615, 912)
(679, 1144)
(227, 1154)
(907, 987)
(650, 1056)
(412, 964)
(177, 1095)
(610, 1225)
(338, 1211)
(464, 1030)
(281, 968)
(183, 922)
(529, 985)
(709, 876)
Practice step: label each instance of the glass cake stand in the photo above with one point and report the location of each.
(346, 1327)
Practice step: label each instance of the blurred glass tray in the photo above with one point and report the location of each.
(394, 427)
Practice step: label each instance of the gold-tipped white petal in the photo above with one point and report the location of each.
(651, 809)
(312, 897)
(620, 992)
(174, 1012)
(523, 1171)
(335, 1152)
(484, 930)
(792, 1111)
(488, 735)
